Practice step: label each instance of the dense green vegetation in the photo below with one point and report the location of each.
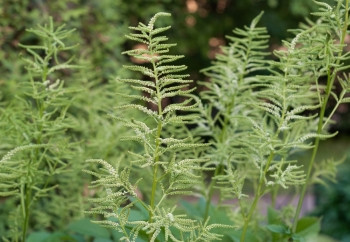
(108, 138)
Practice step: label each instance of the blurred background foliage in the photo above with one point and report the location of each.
(199, 28)
(333, 204)
(101, 24)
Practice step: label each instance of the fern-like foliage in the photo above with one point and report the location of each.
(38, 150)
(295, 91)
(258, 120)
(161, 158)
(226, 111)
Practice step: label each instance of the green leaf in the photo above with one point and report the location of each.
(277, 228)
(38, 236)
(86, 227)
(307, 227)
(193, 210)
(273, 216)
(217, 216)
(59, 237)
(136, 215)
(137, 204)
(78, 238)
(102, 240)
(324, 238)
(250, 236)
(44, 236)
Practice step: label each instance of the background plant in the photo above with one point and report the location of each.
(54, 118)
(260, 144)
(34, 122)
(332, 204)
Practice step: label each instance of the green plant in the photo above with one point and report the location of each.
(260, 119)
(257, 113)
(69, 117)
(34, 176)
(241, 139)
(160, 159)
(227, 100)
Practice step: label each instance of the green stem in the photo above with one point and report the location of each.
(258, 194)
(308, 176)
(157, 138)
(333, 111)
(330, 82)
(155, 174)
(26, 212)
(274, 196)
(211, 192)
(26, 194)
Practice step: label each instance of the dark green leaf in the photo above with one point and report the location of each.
(86, 227)
(38, 236)
(44, 236)
(102, 240)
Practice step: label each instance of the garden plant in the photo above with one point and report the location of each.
(173, 160)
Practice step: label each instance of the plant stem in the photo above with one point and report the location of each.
(155, 173)
(330, 81)
(258, 194)
(274, 196)
(156, 155)
(26, 212)
(26, 194)
(211, 192)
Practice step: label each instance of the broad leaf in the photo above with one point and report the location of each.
(307, 227)
(86, 227)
